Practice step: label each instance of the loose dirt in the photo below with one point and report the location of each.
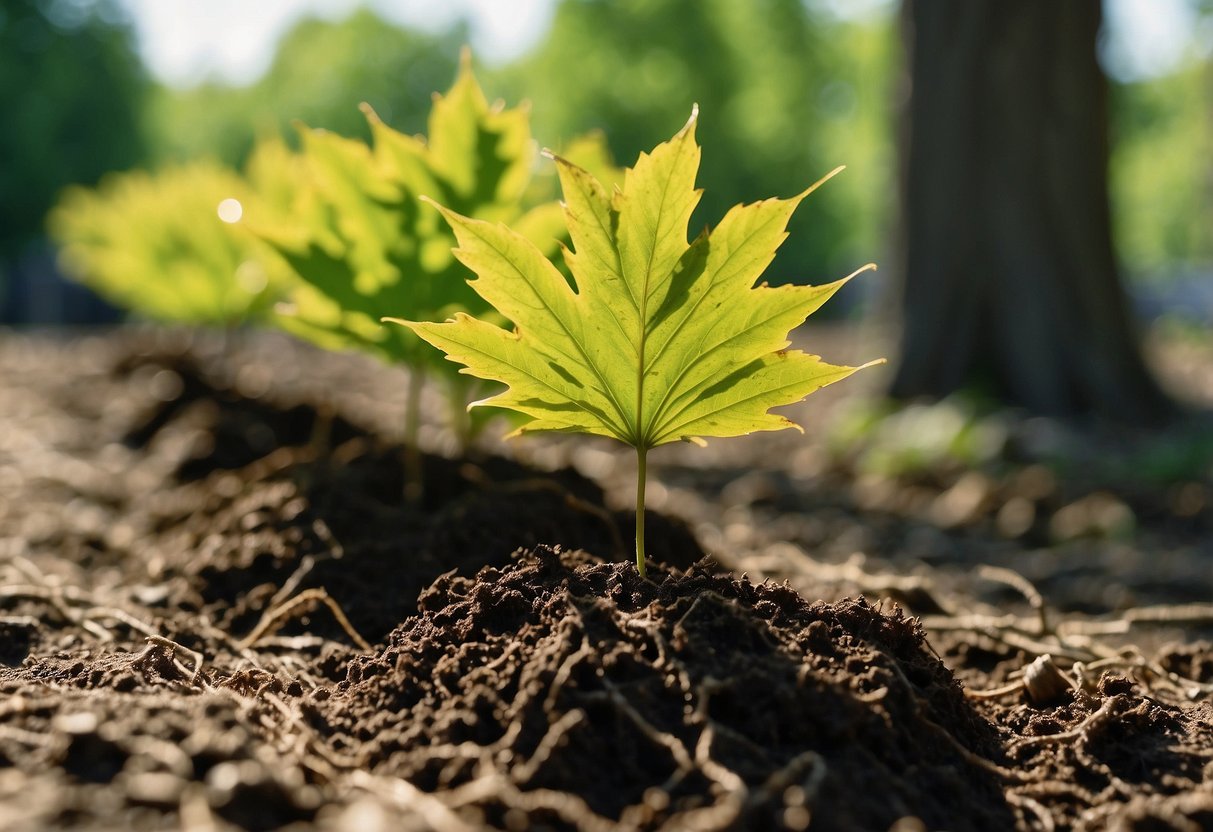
(218, 609)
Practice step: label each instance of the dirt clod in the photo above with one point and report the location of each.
(669, 698)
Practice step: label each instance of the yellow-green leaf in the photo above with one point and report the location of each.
(163, 244)
(363, 240)
(660, 339)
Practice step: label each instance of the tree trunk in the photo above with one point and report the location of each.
(1009, 279)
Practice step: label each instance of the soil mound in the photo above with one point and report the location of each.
(561, 693)
(178, 513)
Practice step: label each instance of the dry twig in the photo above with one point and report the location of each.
(275, 616)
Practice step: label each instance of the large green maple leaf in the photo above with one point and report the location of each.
(659, 339)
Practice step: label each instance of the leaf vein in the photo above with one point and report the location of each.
(825, 378)
(544, 304)
(562, 395)
(672, 394)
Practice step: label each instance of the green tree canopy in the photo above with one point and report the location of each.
(1162, 170)
(783, 104)
(320, 74)
(71, 93)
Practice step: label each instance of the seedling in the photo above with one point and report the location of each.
(365, 246)
(660, 340)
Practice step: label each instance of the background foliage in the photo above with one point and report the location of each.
(155, 244)
(634, 68)
(788, 89)
(72, 93)
(320, 73)
(1162, 171)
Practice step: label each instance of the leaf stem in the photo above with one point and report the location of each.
(641, 454)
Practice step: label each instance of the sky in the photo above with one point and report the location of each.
(186, 41)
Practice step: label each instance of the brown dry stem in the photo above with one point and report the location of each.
(277, 616)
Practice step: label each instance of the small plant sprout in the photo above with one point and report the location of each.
(660, 340)
(365, 246)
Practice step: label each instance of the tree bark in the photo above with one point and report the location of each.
(1009, 281)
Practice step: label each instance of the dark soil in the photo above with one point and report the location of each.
(197, 534)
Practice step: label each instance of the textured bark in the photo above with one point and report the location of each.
(1009, 278)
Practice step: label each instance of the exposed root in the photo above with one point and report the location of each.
(1078, 733)
(996, 693)
(276, 616)
(1024, 804)
(1024, 587)
(159, 641)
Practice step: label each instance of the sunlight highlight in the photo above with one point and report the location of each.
(230, 210)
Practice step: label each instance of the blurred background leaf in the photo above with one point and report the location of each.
(166, 247)
(787, 95)
(73, 92)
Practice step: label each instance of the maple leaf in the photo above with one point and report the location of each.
(350, 227)
(159, 245)
(364, 246)
(659, 339)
